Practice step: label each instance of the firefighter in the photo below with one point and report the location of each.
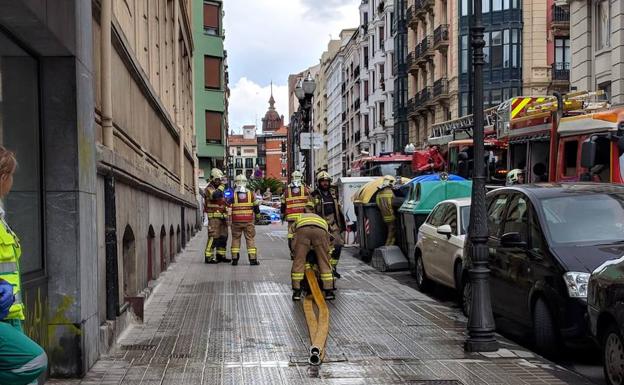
(294, 200)
(216, 210)
(384, 202)
(311, 234)
(515, 176)
(244, 208)
(323, 202)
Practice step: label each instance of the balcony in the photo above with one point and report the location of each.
(412, 67)
(424, 50)
(411, 107)
(441, 89)
(560, 20)
(560, 73)
(421, 7)
(423, 97)
(410, 16)
(441, 37)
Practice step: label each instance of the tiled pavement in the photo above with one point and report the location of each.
(218, 324)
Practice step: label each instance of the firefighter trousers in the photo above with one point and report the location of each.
(217, 239)
(337, 243)
(22, 361)
(316, 239)
(249, 230)
(391, 237)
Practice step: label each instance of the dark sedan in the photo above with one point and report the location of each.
(605, 300)
(544, 241)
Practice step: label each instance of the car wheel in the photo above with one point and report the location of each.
(466, 296)
(546, 340)
(613, 356)
(422, 281)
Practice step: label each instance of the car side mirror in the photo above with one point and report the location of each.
(445, 230)
(513, 240)
(588, 154)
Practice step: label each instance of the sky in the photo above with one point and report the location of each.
(267, 40)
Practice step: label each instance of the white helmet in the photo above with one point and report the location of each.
(240, 182)
(513, 176)
(216, 173)
(388, 181)
(296, 177)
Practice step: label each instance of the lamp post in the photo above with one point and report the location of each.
(304, 91)
(481, 324)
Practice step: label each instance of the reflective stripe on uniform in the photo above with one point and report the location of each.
(327, 277)
(312, 221)
(252, 250)
(308, 265)
(221, 252)
(389, 218)
(297, 276)
(235, 250)
(8, 267)
(333, 261)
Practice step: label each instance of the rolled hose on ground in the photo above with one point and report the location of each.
(317, 326)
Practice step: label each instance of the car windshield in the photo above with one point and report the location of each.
(465, 218)
(585, 219)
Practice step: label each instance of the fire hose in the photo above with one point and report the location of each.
(318, 326)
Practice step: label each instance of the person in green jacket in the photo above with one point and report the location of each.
(22, 361)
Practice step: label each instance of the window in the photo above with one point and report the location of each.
(365, 57)
(569, 153)
(212, 72)
(382, 36)
(365, 18)
(517, 217)
(562, 54)
(497, 5)
(506, 53)
(436, 217)
(486, 48)
(239, 172)
(496, 97)
(382, 113)
(211, 18)
(497, 49)
(464, 54)
(464, 8)
(239, 163)
(249, 163)
(603, 24)
(465, 219)
(536, 240)
(214, 127)
(464, 104)
(382, 72)
(238, 151)
(283, 146)
(606, 87)
(485, 6)
(284, 173)
(515, 48)
(495, 214)
(450, 217)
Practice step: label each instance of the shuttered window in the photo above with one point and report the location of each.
(212, 72)
(214, 126)
(211, 19)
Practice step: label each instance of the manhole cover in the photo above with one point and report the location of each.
(142, 347)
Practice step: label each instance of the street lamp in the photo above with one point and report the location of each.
(481, 324)
(304, 91)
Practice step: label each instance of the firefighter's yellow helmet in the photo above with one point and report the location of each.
(323, 175)
(388, 181)
(216, 173)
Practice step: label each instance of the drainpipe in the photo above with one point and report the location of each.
(112, 272)
(176, 71)
(106, 16)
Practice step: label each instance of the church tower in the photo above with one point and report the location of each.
(272, 121)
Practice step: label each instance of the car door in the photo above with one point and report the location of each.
(448, 246)
(515, 274)
(429, 240)
(497, 205)
(544, 271)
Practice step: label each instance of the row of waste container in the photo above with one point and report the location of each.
(414, 200)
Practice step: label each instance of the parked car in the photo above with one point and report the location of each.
(544, 241)
(268, 215)
(605, 304)
(440, 246)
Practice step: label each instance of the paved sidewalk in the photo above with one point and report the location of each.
(219, 324)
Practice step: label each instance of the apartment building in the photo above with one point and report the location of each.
(320, 119)
(210, 87)
(243, 152)
(378, 18)
(351, 101)
(432, 63)
(597, 46)
(400, 35)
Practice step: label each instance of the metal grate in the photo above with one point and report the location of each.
(140, 347)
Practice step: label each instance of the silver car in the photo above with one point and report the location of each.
(440, 245)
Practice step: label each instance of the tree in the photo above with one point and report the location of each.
(262, 184)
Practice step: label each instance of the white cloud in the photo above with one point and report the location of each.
(269, 39)
(249, 103)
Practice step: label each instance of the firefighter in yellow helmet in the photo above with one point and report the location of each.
(216, 210)
(324, 202)
(294, 200)
(311, 233)
(244, 209)
(384, 198)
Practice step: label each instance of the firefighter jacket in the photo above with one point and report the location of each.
(216, 206)
(384, 202)
(10, 253)
(326, 205)
(307, 219)
(244, 206)
(294, 201)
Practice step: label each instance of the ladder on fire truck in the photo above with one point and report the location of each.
(575, 103)
(460, 128)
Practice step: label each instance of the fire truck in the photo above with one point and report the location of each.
(395, 164)
(454, 139)
(569, 138)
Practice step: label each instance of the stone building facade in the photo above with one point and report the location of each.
(597, 41)
(97, 102)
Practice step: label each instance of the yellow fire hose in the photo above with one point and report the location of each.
(317, 326)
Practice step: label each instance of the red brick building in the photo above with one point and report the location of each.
(273, 144)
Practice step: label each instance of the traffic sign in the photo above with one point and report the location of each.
(305, 141)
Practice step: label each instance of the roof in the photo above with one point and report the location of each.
(239, 140)
(591, 123)
(554, 190)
